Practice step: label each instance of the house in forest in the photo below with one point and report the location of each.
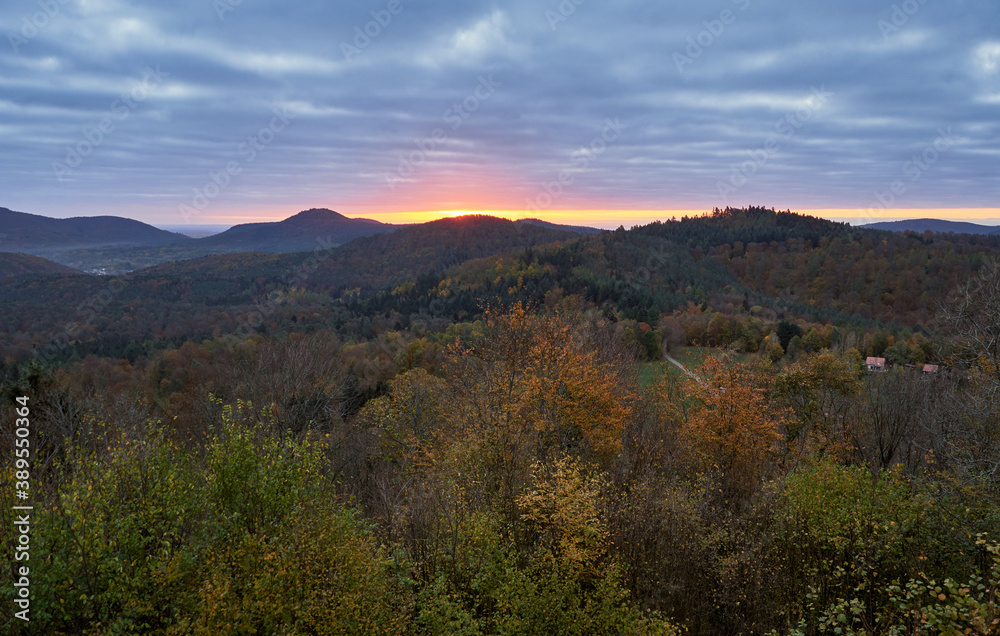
(931, 368)
(875, 364)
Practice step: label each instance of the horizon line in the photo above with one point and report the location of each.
(613, 218)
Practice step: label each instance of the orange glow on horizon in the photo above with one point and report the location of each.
(611, 218)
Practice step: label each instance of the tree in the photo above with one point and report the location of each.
(671, 334)
(898, 353)
(974, 315)
(529, 386)
(812, 341)
(891, 410)
(815, 388)
(734, 431)
(786, 331)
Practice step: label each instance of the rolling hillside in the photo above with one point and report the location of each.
(377, 260)
(749, 264)
(41, 235)
(934, 225)
(14, 265)
(109, 245)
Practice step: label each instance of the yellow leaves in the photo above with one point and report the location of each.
(564, 507)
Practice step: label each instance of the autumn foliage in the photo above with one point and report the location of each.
(517, 474)
(732, 430)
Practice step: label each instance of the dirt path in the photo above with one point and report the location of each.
(682, 368)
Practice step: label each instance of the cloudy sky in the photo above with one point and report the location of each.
(221, 111)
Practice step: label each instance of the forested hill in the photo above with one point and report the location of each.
(19, 265)
(375, 261)
(934, 225)
(887, 276)
(306, 230)
(733, 260)
(216, 295)
(747, 225)
(298, 233)
(746, 265)
(122, 245)
(41, 235)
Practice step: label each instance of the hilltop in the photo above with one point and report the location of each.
(41, 235)
(317, 227)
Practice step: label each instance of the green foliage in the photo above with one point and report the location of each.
(255, 481)
(120, 544)
(920, 606)
(318, 573)
(563, 583)
(863, 551)
(786, 332)
(146, 537)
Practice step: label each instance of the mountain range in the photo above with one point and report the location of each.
(747, 266)
(933, 225)
(116, 245)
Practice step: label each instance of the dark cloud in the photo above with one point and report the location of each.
(161, 98)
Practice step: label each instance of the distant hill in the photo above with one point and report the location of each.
(934, 225)
(579, 229)
(41, 235)
(115, 245)
(746, 225)
(318, 227)
(14, 265)
(195, 231)
(752, 266)
(374, 261)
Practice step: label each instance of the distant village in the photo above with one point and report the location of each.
(879, 364)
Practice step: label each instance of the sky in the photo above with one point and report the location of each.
(574, 111)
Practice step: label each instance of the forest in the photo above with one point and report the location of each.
(472, 427)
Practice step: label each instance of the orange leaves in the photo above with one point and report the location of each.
(575, 393)
(732, 430)
(541, 378)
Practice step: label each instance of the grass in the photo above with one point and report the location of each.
(690, 357)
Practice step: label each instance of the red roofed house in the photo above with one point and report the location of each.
(875, 364)
(930, 368)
